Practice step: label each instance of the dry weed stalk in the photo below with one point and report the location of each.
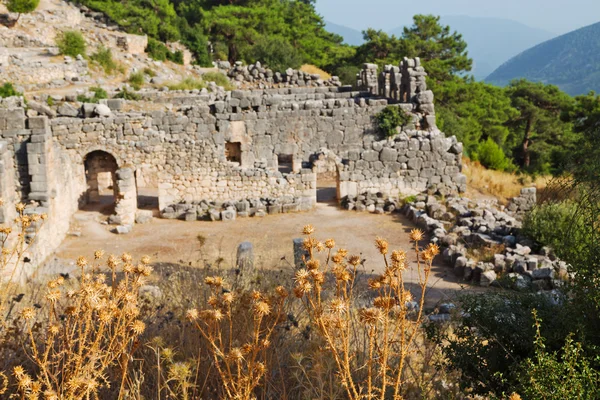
(389, 326)
(95, 328)
(239, 358)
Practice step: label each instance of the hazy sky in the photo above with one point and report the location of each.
(556, 16)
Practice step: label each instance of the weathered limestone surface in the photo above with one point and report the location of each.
(227, 155)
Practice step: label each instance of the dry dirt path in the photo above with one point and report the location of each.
(173, 241)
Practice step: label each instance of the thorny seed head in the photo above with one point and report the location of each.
(384, 302)
(145, 260)
(318, 276)
(112, 262)
(382, 245)
(228, 298)
(313, 264)
(320, 247)
(262, 308)
(82, 262)
(338, 259)
(98, 254)
(53, 296)
(256, 295)
(235, 355)
(309, 243)
(338, 306)
(138, 327)
(433, 248)
(53, 330)
(192, 314)
(302, 288)
(302, 275)
(215, 281)
(28, 313)
(370, 316)
(330, 243)
(416, 235)
(126, 258)
(308, 230)
(50, 395)
(20, 207)
(281, 292)
(354, 260)
(259, 369)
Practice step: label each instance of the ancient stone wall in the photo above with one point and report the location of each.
(244, 153)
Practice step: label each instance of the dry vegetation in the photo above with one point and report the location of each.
(502, 185)
(200, 335)
(311, 69)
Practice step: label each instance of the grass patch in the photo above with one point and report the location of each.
(98, 94)
(149, 71)
(127, 95)
(8, 90)
(187, 84)
(311, 69)
(137, 80)
(503, 185)
(103, 57)
(219, 79)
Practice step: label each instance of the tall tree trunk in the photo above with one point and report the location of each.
(526, 143)
(233, 53)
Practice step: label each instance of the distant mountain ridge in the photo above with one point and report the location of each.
(351, 36)
(491, 41)
(570, 61)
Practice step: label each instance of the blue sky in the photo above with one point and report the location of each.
(556, 16)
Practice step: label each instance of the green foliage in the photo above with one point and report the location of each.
(21, 6)
(149, 71)
(276, 53)
(157, 50)
(187, 84)
(103, 57)
(541, 134)
(571, 61)
(219, 79)
(50, 101)
(548, 376)
(71, 43)
(492, 156)
(127, 95)
(176, 57)
(495, 335)
(8, 90)
(137, 80)
(390, 118)
(560, 226)
(347, 74)
(99, 94)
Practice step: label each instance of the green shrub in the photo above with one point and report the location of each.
(127, 95)
(103, 57)
(495, 335)
(390, 118)
(176, 57)
(157, 50)
(187, 84)
(149, 71)
(8, 90)
(492, 156)
(218, 78)
(71, 43)
(276, 53)
(99, 94)
(548, 376)
(347, 74)
(22, 6)
(561, 226)
(137, 80)
(50, 101)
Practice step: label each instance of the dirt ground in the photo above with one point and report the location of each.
(174, 241)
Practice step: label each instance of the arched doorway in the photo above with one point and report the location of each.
(100, 175)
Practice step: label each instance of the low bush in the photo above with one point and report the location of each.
(127, 95)
(157, 50)
(71, 43)
(149, 71)
(137, 80)
(98, 94)
(103, 57)
(187, 84)
(8, 90)
(492, 156)
(562, 226)
(175, 56)
(390, 119)
(218, 78)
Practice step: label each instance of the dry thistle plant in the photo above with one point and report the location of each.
(89, 330)
(239, 357)
(390, 325)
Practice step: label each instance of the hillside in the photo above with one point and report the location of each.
(351, 36)
(492, 41)
(570, 61)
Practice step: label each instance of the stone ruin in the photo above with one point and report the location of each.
(218, 155)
